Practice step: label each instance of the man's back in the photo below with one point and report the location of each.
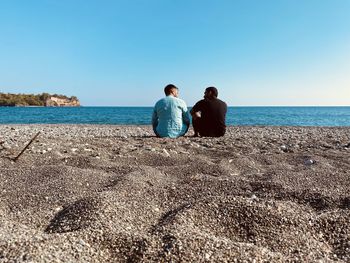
(213, 113)
(170, 117)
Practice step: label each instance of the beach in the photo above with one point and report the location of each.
(109, 193)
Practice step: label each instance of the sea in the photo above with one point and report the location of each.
(236, 116)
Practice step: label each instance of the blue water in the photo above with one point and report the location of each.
(285, 116)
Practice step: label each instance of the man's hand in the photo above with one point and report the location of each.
(196, 115)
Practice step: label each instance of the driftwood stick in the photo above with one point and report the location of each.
(25, 148)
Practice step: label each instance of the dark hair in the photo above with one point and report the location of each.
(213, 90)
(168, 88)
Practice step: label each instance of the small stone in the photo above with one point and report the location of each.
(6, 146)
(166, 153)
(309, 162)
(284, 148)
(254, 197)
(82, 242)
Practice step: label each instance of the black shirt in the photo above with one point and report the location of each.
(213, 114)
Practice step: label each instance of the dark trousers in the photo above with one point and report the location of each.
(196, 125)
(201, 129)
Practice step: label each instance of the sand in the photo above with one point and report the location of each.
(88, 193)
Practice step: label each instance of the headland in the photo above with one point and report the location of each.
(43, 100)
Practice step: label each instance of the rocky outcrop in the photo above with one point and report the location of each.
(44, 99)
(62, 102)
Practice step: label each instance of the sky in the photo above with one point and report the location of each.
(124, 52)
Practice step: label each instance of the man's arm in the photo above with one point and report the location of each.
(193, 109)
(186, 115)
(155, 121)
(196, 111)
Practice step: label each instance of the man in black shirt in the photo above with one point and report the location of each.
(208, 115)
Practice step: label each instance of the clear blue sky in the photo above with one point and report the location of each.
(123, 52)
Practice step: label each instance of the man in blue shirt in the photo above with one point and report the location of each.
(170, 115)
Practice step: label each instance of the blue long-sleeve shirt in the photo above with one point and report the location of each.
(170, 117)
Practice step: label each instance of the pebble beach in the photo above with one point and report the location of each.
(108, 193)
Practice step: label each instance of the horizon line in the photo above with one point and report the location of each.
(150, 106)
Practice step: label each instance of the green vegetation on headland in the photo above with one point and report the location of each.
(44, 99)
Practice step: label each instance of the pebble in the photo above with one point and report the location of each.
(309, 162)
(87, 150)
(254, 197)
(166, 153)
(284, 148)
(82, 242)
(347, 145)
(6, 146)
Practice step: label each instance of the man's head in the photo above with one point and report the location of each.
(171, 90)
(211, 93)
